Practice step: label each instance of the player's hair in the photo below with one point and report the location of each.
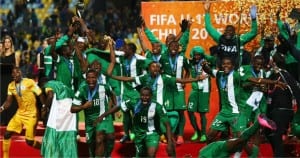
(258, 57)
(91, 71)
(146, 88)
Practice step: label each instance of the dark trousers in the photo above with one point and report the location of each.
(282, 118)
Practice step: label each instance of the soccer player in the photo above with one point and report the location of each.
(131, 65)
(229, 84)
(200, 94)
(160, 85)
(175, 64)
(24, 90)
(147, 118)
(229, 42)
(227, 147)
(182, 37)
(95, 98)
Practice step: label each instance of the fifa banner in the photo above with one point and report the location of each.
(163, 18)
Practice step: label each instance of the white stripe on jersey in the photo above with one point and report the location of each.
(151, 114)
(231, 94)
(179, 68)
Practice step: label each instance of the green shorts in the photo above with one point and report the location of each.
(198, 101)
(175, 101)
(221, 122)
(105, 126)
(173, 119)
(141, 144)
(245, 117)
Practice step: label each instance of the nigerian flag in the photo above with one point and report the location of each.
(60, 135)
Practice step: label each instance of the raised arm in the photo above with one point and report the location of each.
(185, 31)
(143, 44)
(82, 61)
(183, 26)
(112, 57)
(52, 50)
(151, 37)
(213, 32)
(280, 25)
(251, 35)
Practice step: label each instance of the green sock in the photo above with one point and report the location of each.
(181, 123)
(250, 131)
(174, 119)
(193, 121)
(254, 153)
(110, 143)
(203, 123)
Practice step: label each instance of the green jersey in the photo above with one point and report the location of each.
(146, 118)
(150, 56)
(130, 68)
(160, 86)
(69, 71)
(103, 57)
(230, 90)
(247, 72)
(175, 66)
(100, 97)
(282, 29)
(48, 58)
(204, 85)
(216, 35)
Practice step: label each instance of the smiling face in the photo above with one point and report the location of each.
(154, 69)
(96, 66)
(146, 95)
(91, 79)
(156, 48)
(258, 64)
(173, 48)
(227, 65)
(16, 75)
